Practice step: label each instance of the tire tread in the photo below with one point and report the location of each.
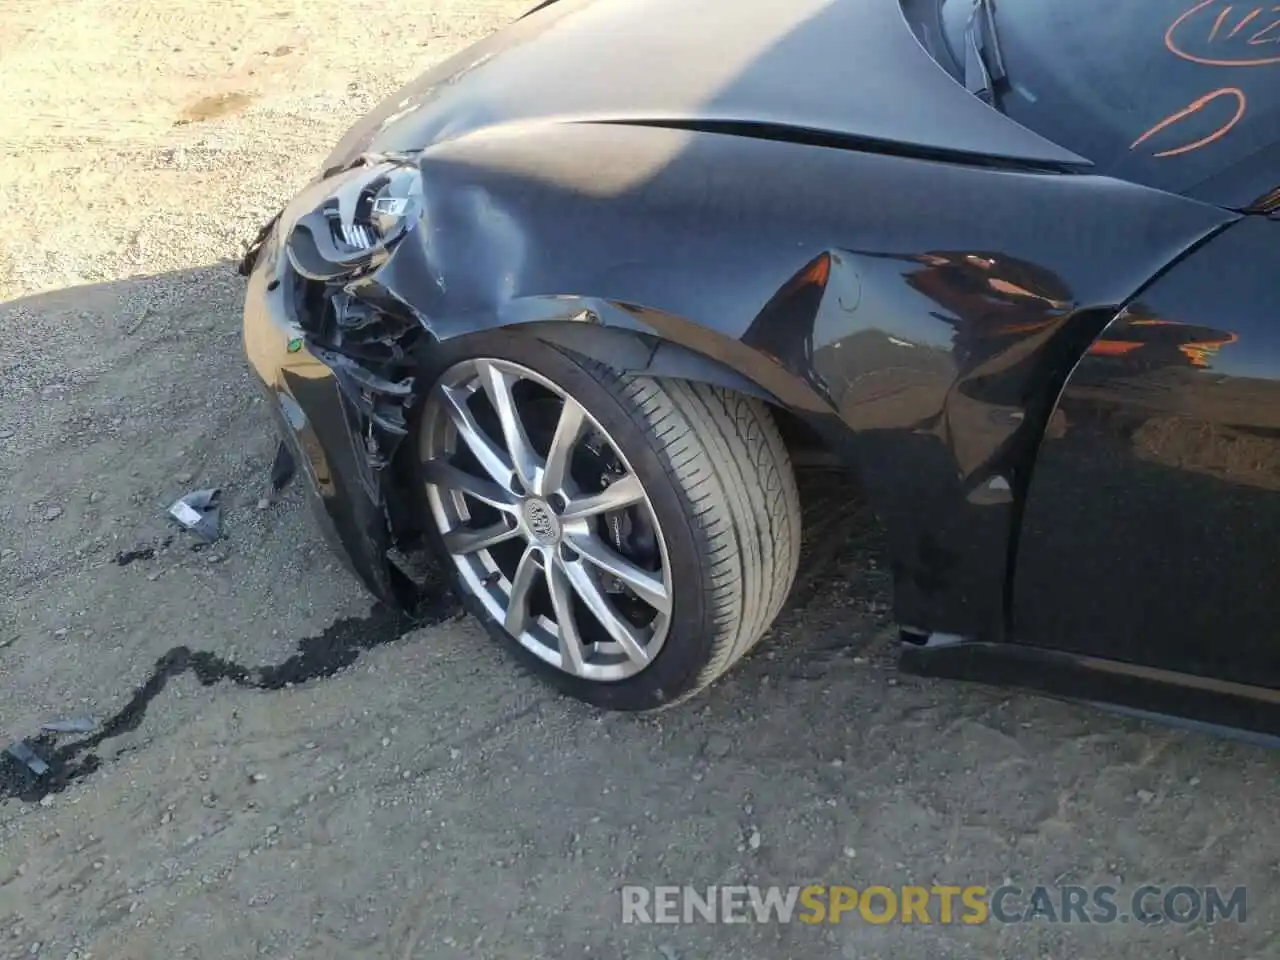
(724, 453)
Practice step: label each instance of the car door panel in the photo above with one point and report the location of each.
(1149, 530)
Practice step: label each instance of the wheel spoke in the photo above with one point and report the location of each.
(646, 585)
(623, 633)
(526, 575)
(571, 658)
(444, 474)
(497, 385)
(568, 430)
(491, 457)
(626, 491)
(462, 540)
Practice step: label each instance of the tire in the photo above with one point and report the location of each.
(717, 477)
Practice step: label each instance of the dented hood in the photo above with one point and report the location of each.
(841, 67)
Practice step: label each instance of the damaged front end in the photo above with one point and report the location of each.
(337, 352)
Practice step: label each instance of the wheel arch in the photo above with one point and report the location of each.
(629, 351)
(653, 343)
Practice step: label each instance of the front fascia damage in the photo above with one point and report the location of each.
(922, 324)
(337, 357)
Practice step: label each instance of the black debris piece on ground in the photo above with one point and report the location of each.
(126, 557)
(283, 468)
(140, 552)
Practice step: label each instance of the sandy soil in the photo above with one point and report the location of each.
(287, 773)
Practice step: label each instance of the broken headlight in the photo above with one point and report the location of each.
(369, 209)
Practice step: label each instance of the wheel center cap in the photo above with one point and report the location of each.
(541, 521)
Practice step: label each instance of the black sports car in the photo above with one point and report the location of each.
(559, 314)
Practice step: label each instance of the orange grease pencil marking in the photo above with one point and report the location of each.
(1217, 24)
(1192, 108)
(1241, 25)
(1265, 35)
(1257, 37)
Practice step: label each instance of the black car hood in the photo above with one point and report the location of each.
(846, 68)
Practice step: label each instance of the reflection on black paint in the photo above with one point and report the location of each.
(784, 328)
(334, 649)
(1142, 342)
(992, 300)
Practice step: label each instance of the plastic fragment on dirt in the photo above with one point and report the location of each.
(200, 513)
(71, 725)
(25, 755)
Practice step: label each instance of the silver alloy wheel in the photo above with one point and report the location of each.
(546, 516)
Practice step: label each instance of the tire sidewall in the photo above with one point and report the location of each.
(676, 669)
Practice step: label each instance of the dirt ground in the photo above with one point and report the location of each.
(383, 793)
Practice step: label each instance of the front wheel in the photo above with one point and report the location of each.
(631, 538)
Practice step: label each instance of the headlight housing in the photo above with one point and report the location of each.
(367, 211)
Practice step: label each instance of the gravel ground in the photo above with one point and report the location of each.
(288, 772)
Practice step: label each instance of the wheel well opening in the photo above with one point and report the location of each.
(805, 445)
